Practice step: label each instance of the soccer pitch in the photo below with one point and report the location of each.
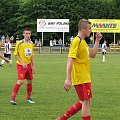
(50, 97)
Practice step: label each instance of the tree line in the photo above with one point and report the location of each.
(17, 14)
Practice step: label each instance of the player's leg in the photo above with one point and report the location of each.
(21, 77)
(29, 85)
(71, 111)
(10, 63)
(103, 56)
(85, 93)
(75, 108)
(29, 92)
(86, 109)
(29, 89)
(15, 91)
(3, 61)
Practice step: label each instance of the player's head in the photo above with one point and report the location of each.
(105, 41)
(84, 26)
(7, 39)
(27, 33)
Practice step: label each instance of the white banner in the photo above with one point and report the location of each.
(52, 25)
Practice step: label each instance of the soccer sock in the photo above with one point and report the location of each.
(86, 118)
(2, 62)
(72, 110)
(10, 62)
(29, 90)
(103, 58)
(15, 91)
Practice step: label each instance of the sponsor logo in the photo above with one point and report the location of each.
(42, 23)
(104, 25)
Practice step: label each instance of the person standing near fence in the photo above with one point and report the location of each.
(1, 55)
(7, 52)
(78, 70)
(25, 66)
(104, 47)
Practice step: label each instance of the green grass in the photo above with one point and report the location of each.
(49, 95)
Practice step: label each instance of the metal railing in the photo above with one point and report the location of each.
(62, 50)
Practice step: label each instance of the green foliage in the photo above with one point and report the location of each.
(7, 10)
(17, 14)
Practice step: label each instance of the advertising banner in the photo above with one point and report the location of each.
(52, 25)
(105, 25)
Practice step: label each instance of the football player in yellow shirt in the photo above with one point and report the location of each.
(78, 70)
(25, 65)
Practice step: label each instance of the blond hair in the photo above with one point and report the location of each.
(83, 23)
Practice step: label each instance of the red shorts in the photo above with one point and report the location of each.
(84, 91)
(24, 73)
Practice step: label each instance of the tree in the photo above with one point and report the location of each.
(7, 10)
(17, 14)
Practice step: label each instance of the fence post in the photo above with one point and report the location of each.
(50, 49)
(39, 49)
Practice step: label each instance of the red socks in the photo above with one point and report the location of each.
(86, 118)
(29, 90)
(72, 110)
(15, 91)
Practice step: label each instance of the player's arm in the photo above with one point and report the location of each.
(32, 63)
(95, 48)
(4, 58)
(16, 53)
(21, 61)
(67, 84)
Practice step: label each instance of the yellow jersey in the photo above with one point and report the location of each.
(24, 51)
(80, 52)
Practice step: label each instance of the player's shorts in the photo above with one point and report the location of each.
(7, 55)
(84, 91)
(24, 73)
(104, 53)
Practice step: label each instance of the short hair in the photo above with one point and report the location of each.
(7, 37)
(82, 23)
(26, 29)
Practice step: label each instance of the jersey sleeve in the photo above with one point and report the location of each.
(74, 48)
(16, 49)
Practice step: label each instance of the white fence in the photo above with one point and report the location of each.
(63, 50)
(51, 50)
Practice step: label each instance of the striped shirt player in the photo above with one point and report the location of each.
(7, 52)
(104, 47)
(24, 54)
